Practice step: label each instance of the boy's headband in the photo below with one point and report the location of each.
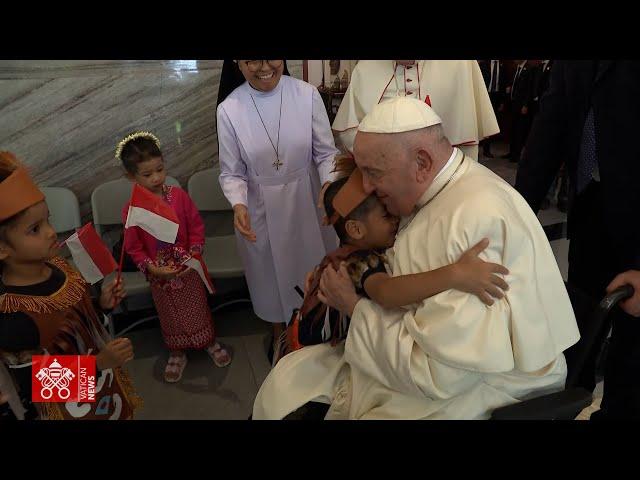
(17, 192)
(350, 195)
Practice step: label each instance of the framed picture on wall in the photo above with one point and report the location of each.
(333, 75)
(332, 78)
(337, 74)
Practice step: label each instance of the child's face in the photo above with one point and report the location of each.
(30, 238)
(381, 227)
(151, 174)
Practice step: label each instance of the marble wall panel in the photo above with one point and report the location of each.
(64, 118)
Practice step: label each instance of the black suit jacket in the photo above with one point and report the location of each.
(543, 76)
(522, 91)
(485, 68)
(612, 88)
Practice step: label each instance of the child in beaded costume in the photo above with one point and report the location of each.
(46, 308)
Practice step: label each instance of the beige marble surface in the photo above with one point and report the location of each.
(64, 118)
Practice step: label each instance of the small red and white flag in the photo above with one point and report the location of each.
(197, 263)
(90, 255)
(153, 215)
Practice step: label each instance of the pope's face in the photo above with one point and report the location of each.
(387, 172)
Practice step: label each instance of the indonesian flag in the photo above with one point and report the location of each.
(153, 215)
(199, 266)
(92, 258)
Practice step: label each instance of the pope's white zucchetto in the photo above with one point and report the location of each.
(400, 114)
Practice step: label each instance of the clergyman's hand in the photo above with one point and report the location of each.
(337, 290)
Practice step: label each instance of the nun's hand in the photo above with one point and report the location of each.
(242, 222)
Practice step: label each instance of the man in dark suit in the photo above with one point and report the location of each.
(589, 117)
(494, 74)
(541, 85)
(520, 93)
(541, 82)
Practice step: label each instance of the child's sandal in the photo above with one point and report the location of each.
(220, 356)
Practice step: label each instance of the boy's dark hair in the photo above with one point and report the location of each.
(137, 151)
(357, 213)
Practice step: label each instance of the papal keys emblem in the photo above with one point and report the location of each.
(55, 377)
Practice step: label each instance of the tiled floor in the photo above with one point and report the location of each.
(207, 392)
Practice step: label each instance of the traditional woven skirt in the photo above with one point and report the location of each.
(185, 318)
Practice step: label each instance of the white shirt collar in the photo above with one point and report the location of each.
(396, 64)
(437, 182)
(449, 162)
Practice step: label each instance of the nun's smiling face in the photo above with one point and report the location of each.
(262, 75)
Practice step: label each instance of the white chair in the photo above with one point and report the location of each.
(107, 201)
(220, 252)
(63, 208)
(65, 213)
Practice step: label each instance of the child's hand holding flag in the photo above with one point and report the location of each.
(112, 294)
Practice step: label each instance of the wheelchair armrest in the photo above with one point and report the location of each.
(564, 405)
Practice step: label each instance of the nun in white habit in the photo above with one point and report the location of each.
(276, 150)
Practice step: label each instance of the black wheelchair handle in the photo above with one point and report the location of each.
(619, 294)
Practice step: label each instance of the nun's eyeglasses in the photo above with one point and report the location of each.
(255, 65)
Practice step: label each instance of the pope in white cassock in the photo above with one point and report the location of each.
(455, 89)
(451, 356)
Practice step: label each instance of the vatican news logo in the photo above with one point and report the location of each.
(63, 378)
